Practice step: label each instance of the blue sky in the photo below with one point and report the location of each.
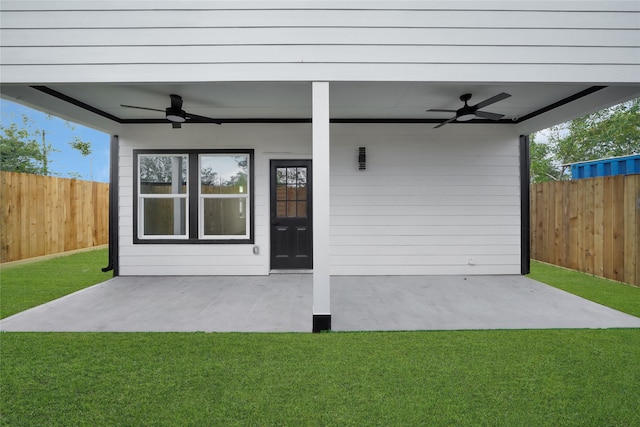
(66, 162)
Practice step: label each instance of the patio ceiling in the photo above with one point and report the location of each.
(531, 106)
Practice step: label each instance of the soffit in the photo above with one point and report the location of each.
(248, 101)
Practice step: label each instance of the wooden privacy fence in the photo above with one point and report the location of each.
(44, 215)
(591, 225)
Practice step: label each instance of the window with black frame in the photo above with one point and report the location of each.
(193, 196)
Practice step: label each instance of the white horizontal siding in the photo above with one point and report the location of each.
(611, 37)
(214, 261)
(418, 220)
(506, 73)
(305, 41)
(398, 230)
(424, 261)
(423, 205)
(423, 250)
(524, 5)
(401, 54)
(419, 191)
(190, 270)
(458, 239)
(403, 215)
(325, 17)
(419, 210)
(420, 270)
(453, 201)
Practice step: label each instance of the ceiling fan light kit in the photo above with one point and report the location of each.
(175, 113)
(465, 117)
(176, 116)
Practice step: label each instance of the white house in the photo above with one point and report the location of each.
(308, 139)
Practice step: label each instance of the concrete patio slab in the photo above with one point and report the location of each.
(463, 302)
(283, 303)
(273, 303)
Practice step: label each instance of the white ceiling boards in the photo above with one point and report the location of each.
(103, 105)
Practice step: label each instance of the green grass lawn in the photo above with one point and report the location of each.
(465, 378)
(616, 295)
(462, 378)
(28, 285)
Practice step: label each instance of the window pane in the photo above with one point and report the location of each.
(225, 217)
(224, 174)
(164, 217)
(163, 174)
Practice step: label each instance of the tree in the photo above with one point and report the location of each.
(20, 150)
(542, 162)
(158, 168)
(611, 132)
(85, 150)
(24, 148)
(83, 147)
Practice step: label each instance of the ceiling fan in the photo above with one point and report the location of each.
(175, 114)
(468, 112)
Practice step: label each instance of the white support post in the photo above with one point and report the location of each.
(321, 180)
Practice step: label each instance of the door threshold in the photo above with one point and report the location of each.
(298, 271)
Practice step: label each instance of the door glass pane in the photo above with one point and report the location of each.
(281, 176)
(301, 193)
(163, 174)
(292, 176)
(281, 192)
(301, 209)
(291, 209)
(302, 176)
(225, 217)
(164, 217)
(224, 173)
(291, 192)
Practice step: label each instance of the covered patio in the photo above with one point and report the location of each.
(282, 302)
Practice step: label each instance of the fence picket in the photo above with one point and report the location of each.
(44, 215)
(596, 224)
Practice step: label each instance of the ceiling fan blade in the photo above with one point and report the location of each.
(141, 108)
(198, 118)
(452, 119)
(492, 100)
(490, 116)
(442, 111)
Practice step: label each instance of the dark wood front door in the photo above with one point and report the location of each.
(291, 225)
